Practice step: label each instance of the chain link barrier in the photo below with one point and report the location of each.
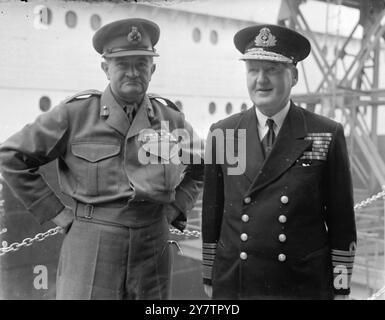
(364, 204)
(369, 200)
(188, 233)
(29, 241)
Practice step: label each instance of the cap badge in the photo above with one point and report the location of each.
(265, 38)
(134, 37)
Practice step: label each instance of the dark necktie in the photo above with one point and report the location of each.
(130, 110)
(269, 138)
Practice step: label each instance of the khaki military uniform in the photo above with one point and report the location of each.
(121, 204)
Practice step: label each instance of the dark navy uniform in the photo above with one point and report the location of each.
(285, 228)
(117, 246)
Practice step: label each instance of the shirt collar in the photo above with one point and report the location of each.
(109, 102)
(278, 118)
(127, 108)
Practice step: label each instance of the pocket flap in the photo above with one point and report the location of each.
(319, 252)
(163, 150)
(94, 152)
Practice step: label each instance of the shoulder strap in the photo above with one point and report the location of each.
(169, 103)
(82, 95)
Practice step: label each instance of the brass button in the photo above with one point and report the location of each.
(243, 255)
(284, 199)
(247, 200)
(244, 237)
(245, 218)
(282, 218)
(282, 237)
(281, 257)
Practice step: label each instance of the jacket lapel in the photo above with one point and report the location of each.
(116, 118)
(254, 156)
(289, 146)
(141, 120)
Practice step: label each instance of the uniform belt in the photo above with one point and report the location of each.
(129, 215)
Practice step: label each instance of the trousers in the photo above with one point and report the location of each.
(102, 261)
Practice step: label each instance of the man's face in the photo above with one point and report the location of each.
(269, 84)
(129, 76)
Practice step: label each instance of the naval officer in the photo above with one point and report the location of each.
(285, 227)
(116, 242)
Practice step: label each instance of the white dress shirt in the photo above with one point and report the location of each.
(278, 120)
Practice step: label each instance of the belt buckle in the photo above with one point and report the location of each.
(89, 210)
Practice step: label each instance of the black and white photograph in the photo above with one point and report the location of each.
(192, 150)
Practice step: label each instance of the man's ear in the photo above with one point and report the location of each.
(294, 74)
(104, 66)
(153, 68)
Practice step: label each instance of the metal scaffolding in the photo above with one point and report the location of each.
(350, 83)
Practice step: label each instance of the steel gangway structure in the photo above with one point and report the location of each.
(349, 91)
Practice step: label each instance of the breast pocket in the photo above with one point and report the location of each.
(307, 180)
(97, 167)
(305, 172)
(164, 166)
(301, 172)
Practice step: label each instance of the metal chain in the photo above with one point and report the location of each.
(29, 241)
(186, 233)
(195, 234)
(51, 232)
(369, 200)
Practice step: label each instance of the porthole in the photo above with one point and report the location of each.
(197, 35)
(44, 103)
(212, 108)
(71, 19)
(95, 22)
(229, 108)
(213, 37)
